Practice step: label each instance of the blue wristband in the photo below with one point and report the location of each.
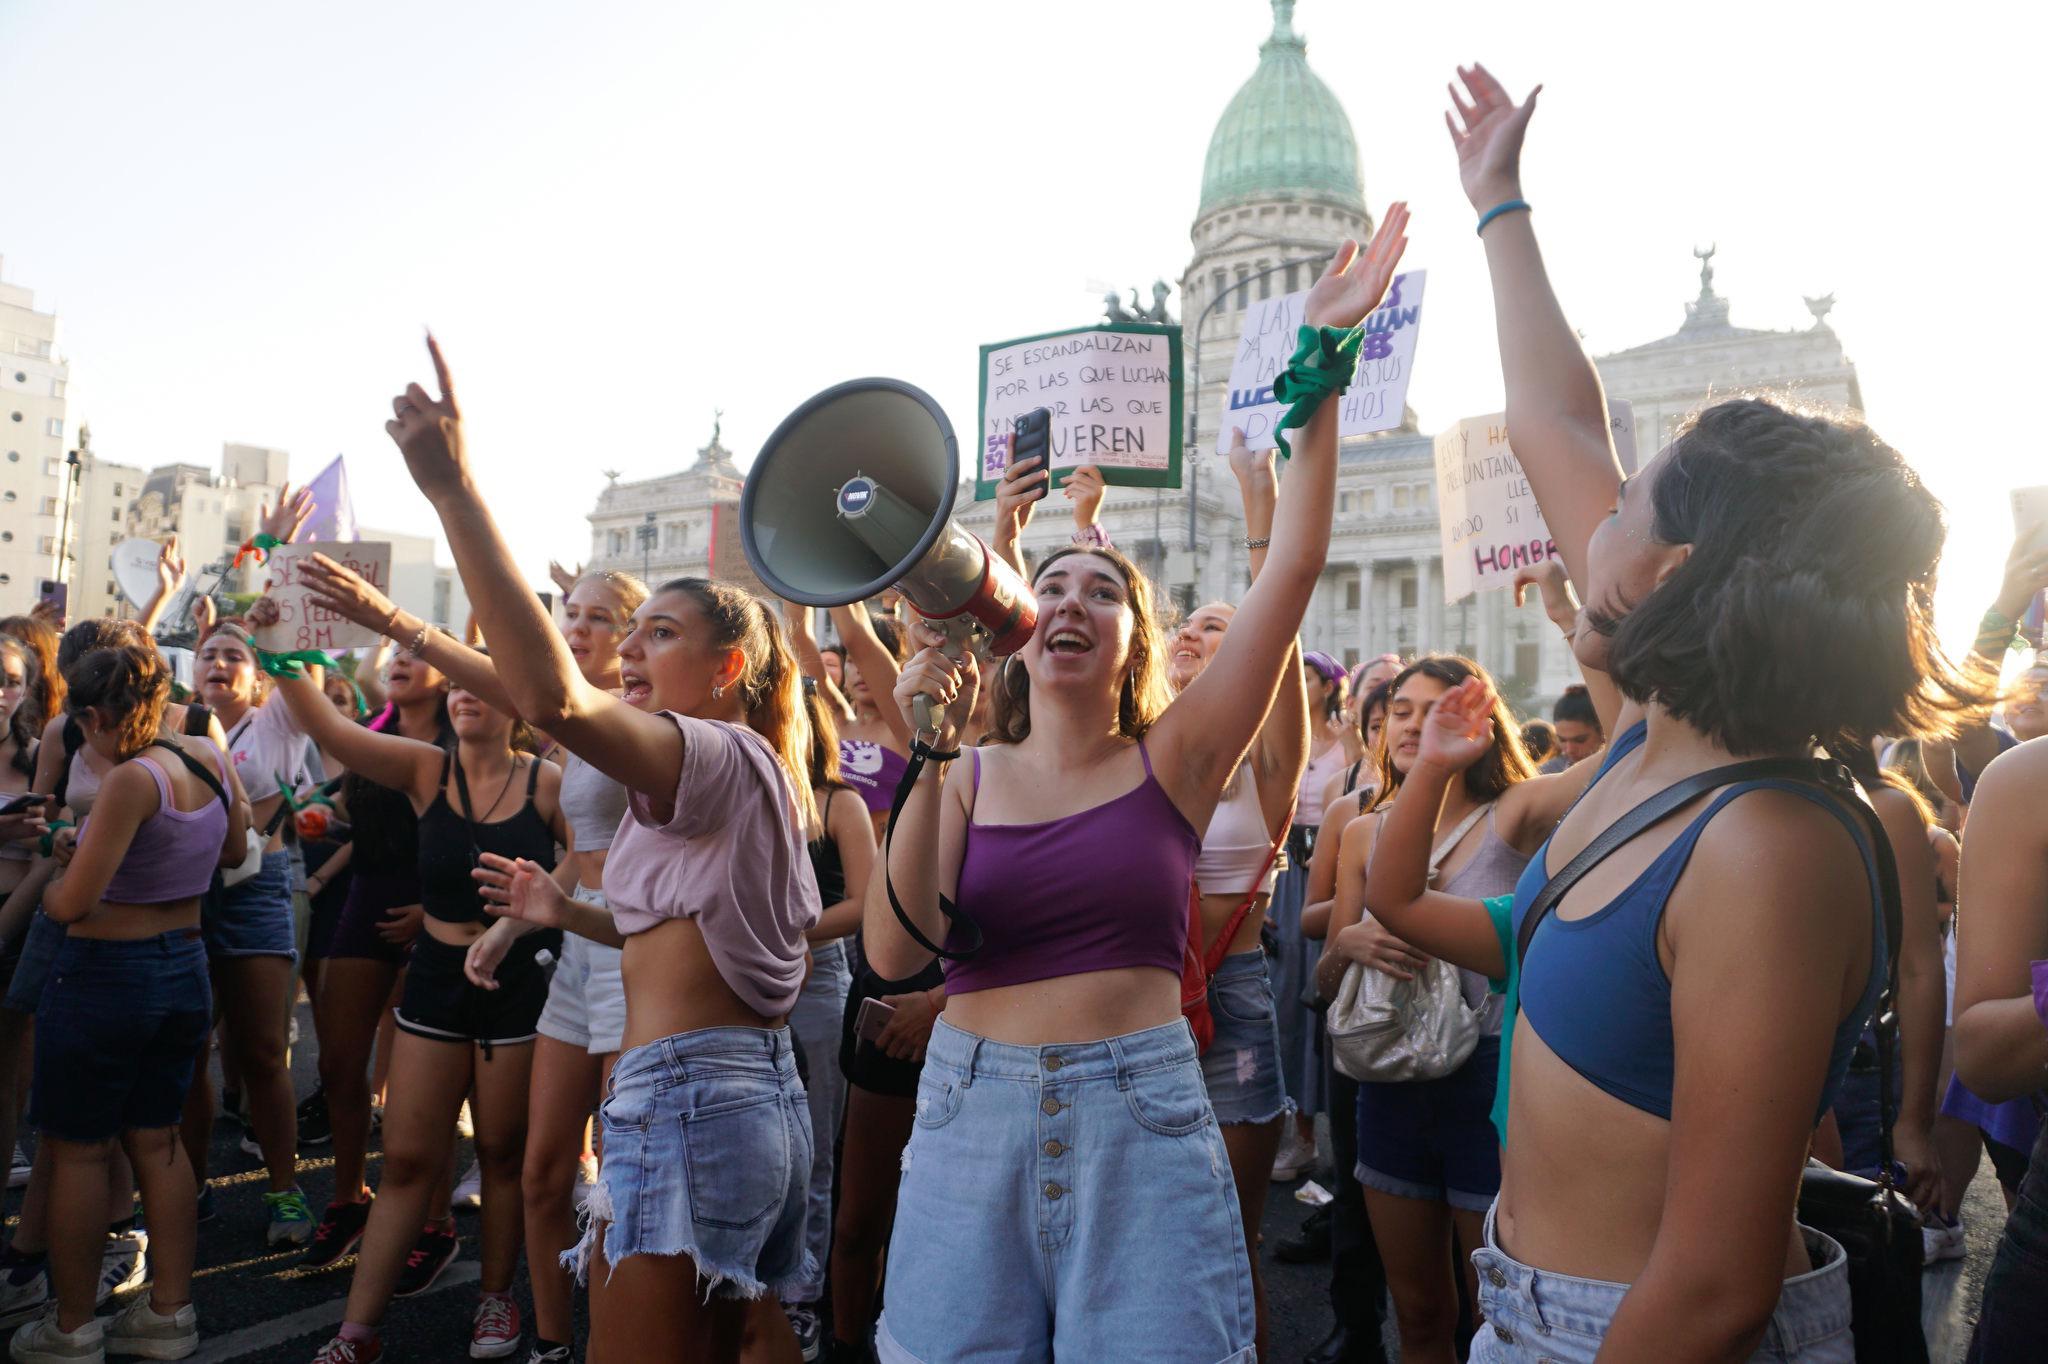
(1511, 206)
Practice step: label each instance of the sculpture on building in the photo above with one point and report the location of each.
(1820, 308)
(1706, 260)
(1114, 310)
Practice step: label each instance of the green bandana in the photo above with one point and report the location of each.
(1304, 385)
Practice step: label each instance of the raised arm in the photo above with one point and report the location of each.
(2002, 905)
(369, 676)
(639, 750)
(1018, 492)
(1354, 936)
(1207, 729)
(170, 576)
(1458, 733)
(803, 642)
(878, 667)
(2026, 572)
(387, 758)
(348, 594)
(1557, 414)
(1561, 605)
(1282, 749)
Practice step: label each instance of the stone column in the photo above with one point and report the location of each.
(1364, 567)
(1426, 593)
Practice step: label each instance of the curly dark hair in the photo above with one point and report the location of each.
(127, 686)
(1805, 612)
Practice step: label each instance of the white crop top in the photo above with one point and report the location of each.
(267, 745)
(1237, 841)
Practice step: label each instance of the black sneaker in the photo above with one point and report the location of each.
(1311, 1244)
(339, 1232)
(810, 1332)
(315, 1127)
(433, 1252)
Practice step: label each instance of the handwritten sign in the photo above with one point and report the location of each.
(1487, 515)
(1115, 396)
(301, 622)
(1378, 394)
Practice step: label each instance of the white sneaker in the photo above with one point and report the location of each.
(123, 1264)
(465, 1126)
(20, 1301)
(586, 1180)
(1941, 1240)
(469, 1194)
(18, 1173)
(40, 1342)
(1295, 1157)
(139, 1329)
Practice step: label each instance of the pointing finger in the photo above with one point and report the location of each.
(441, 375)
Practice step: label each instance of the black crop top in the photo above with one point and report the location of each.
(449, 844)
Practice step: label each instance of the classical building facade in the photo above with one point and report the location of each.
(675, 525)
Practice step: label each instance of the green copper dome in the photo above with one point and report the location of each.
(1284, 133)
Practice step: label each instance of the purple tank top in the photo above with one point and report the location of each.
(871, 770)
(1094, 891)
(174, 853)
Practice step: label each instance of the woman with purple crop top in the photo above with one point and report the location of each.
(698, 1217)
(128, 1005)
(1759, 588)
(1068, 1188)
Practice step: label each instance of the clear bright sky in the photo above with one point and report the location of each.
(618, 217)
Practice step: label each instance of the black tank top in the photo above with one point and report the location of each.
(450, 843)
(827, 869)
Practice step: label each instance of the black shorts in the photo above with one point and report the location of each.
(439, 1002)
(865, 1065)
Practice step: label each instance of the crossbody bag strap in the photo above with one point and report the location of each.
(1212, 956)
(198, 770)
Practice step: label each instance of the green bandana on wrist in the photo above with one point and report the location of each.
(293, 664)
(1321, 365)
(48, 846)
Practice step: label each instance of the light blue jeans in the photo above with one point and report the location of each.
(1069, 1202)
(1535, 1315)
(707, 1153)
(815, 1021)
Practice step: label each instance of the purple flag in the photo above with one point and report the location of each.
(334, 515)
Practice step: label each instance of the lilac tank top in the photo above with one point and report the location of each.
(1093, 891)
(872, 771)
(174, 853)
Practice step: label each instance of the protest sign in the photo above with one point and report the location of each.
(1486, 512)
(1378, 394)
(1115, 395)
(301, 622)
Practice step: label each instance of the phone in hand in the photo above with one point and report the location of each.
(20, 802)
(874, 1016)
(1031, 438)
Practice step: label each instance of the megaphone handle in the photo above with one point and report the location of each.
(955, 648)
(921, 712)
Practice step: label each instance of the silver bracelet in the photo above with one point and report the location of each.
(1260, 543)
(419, 640)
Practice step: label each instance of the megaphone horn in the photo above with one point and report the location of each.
(853, 495)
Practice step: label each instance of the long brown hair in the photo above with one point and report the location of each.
(1144, 694)
(769, 683)
(128, 685)
(45, 697)
(1506, 763)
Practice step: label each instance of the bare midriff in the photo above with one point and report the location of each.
(115, 921)
(1085, 1007)
(673, 986)
(1216, 912)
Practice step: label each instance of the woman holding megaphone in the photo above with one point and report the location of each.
(1061, 1089)
(700, 1205)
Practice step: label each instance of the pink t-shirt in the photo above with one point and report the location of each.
(733, 858)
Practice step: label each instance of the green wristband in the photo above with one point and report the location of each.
(1322, 364)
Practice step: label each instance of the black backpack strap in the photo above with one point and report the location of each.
(198, 719)
(198, 770)
(74, 739)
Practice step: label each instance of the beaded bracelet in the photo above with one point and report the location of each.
(1322, 364)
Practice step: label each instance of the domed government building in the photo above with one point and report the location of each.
(1281, 187)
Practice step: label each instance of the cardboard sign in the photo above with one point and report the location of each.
(134, 565)
(1487, 515)
(302, 623)
(1378, 394)
(1115, 396)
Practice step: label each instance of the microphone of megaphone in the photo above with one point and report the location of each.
(853, 495)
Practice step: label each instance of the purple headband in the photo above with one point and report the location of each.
(1324, 664)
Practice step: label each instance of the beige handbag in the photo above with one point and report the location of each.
(1386, 1029)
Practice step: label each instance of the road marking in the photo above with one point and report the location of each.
(270, 1334)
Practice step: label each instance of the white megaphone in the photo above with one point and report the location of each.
(853, 495)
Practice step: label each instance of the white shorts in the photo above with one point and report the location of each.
(587, 1000)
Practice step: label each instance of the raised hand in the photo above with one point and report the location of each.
(951, 687)
(1548, 578)
(262, 613)
(1488, 132)
(1248, 464)
(521, 890)
(565, 578)
(204, 614)
(288, 517)
(1022, 485)
(428, 432)
(2026, 572)
(1459, 729)
(1085, 490)
(1357, 280)
(170, 569)
(345, 592)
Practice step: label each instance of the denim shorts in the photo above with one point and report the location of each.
(587, 999)
(1242, 1066)
(38, 956)
(2015, 1311)
(118, 1034)
(1067, 1202)
(1533, 1315)
(1433, 1139)
(255, 918)
(707, 1153)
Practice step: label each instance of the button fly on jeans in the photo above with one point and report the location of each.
(1053, 1148)
(1053, 1063)
(1050, 1106)
(1053, 1191)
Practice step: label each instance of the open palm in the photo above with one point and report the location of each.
(1459, 729)
(1357, 280)
(1488, 133)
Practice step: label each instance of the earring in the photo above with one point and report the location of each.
(717, 691)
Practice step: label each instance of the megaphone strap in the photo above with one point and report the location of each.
(920, 754)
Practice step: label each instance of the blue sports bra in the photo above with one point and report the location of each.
(1595, 991)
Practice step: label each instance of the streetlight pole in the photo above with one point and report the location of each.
(73, 464)
(646, 546)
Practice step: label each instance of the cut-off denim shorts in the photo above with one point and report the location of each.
(587, 998)
(707, 1153)
(117, 1033)
(1069, 1202)
(1242, 1066)
(255, 918)
(1535, 1315)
